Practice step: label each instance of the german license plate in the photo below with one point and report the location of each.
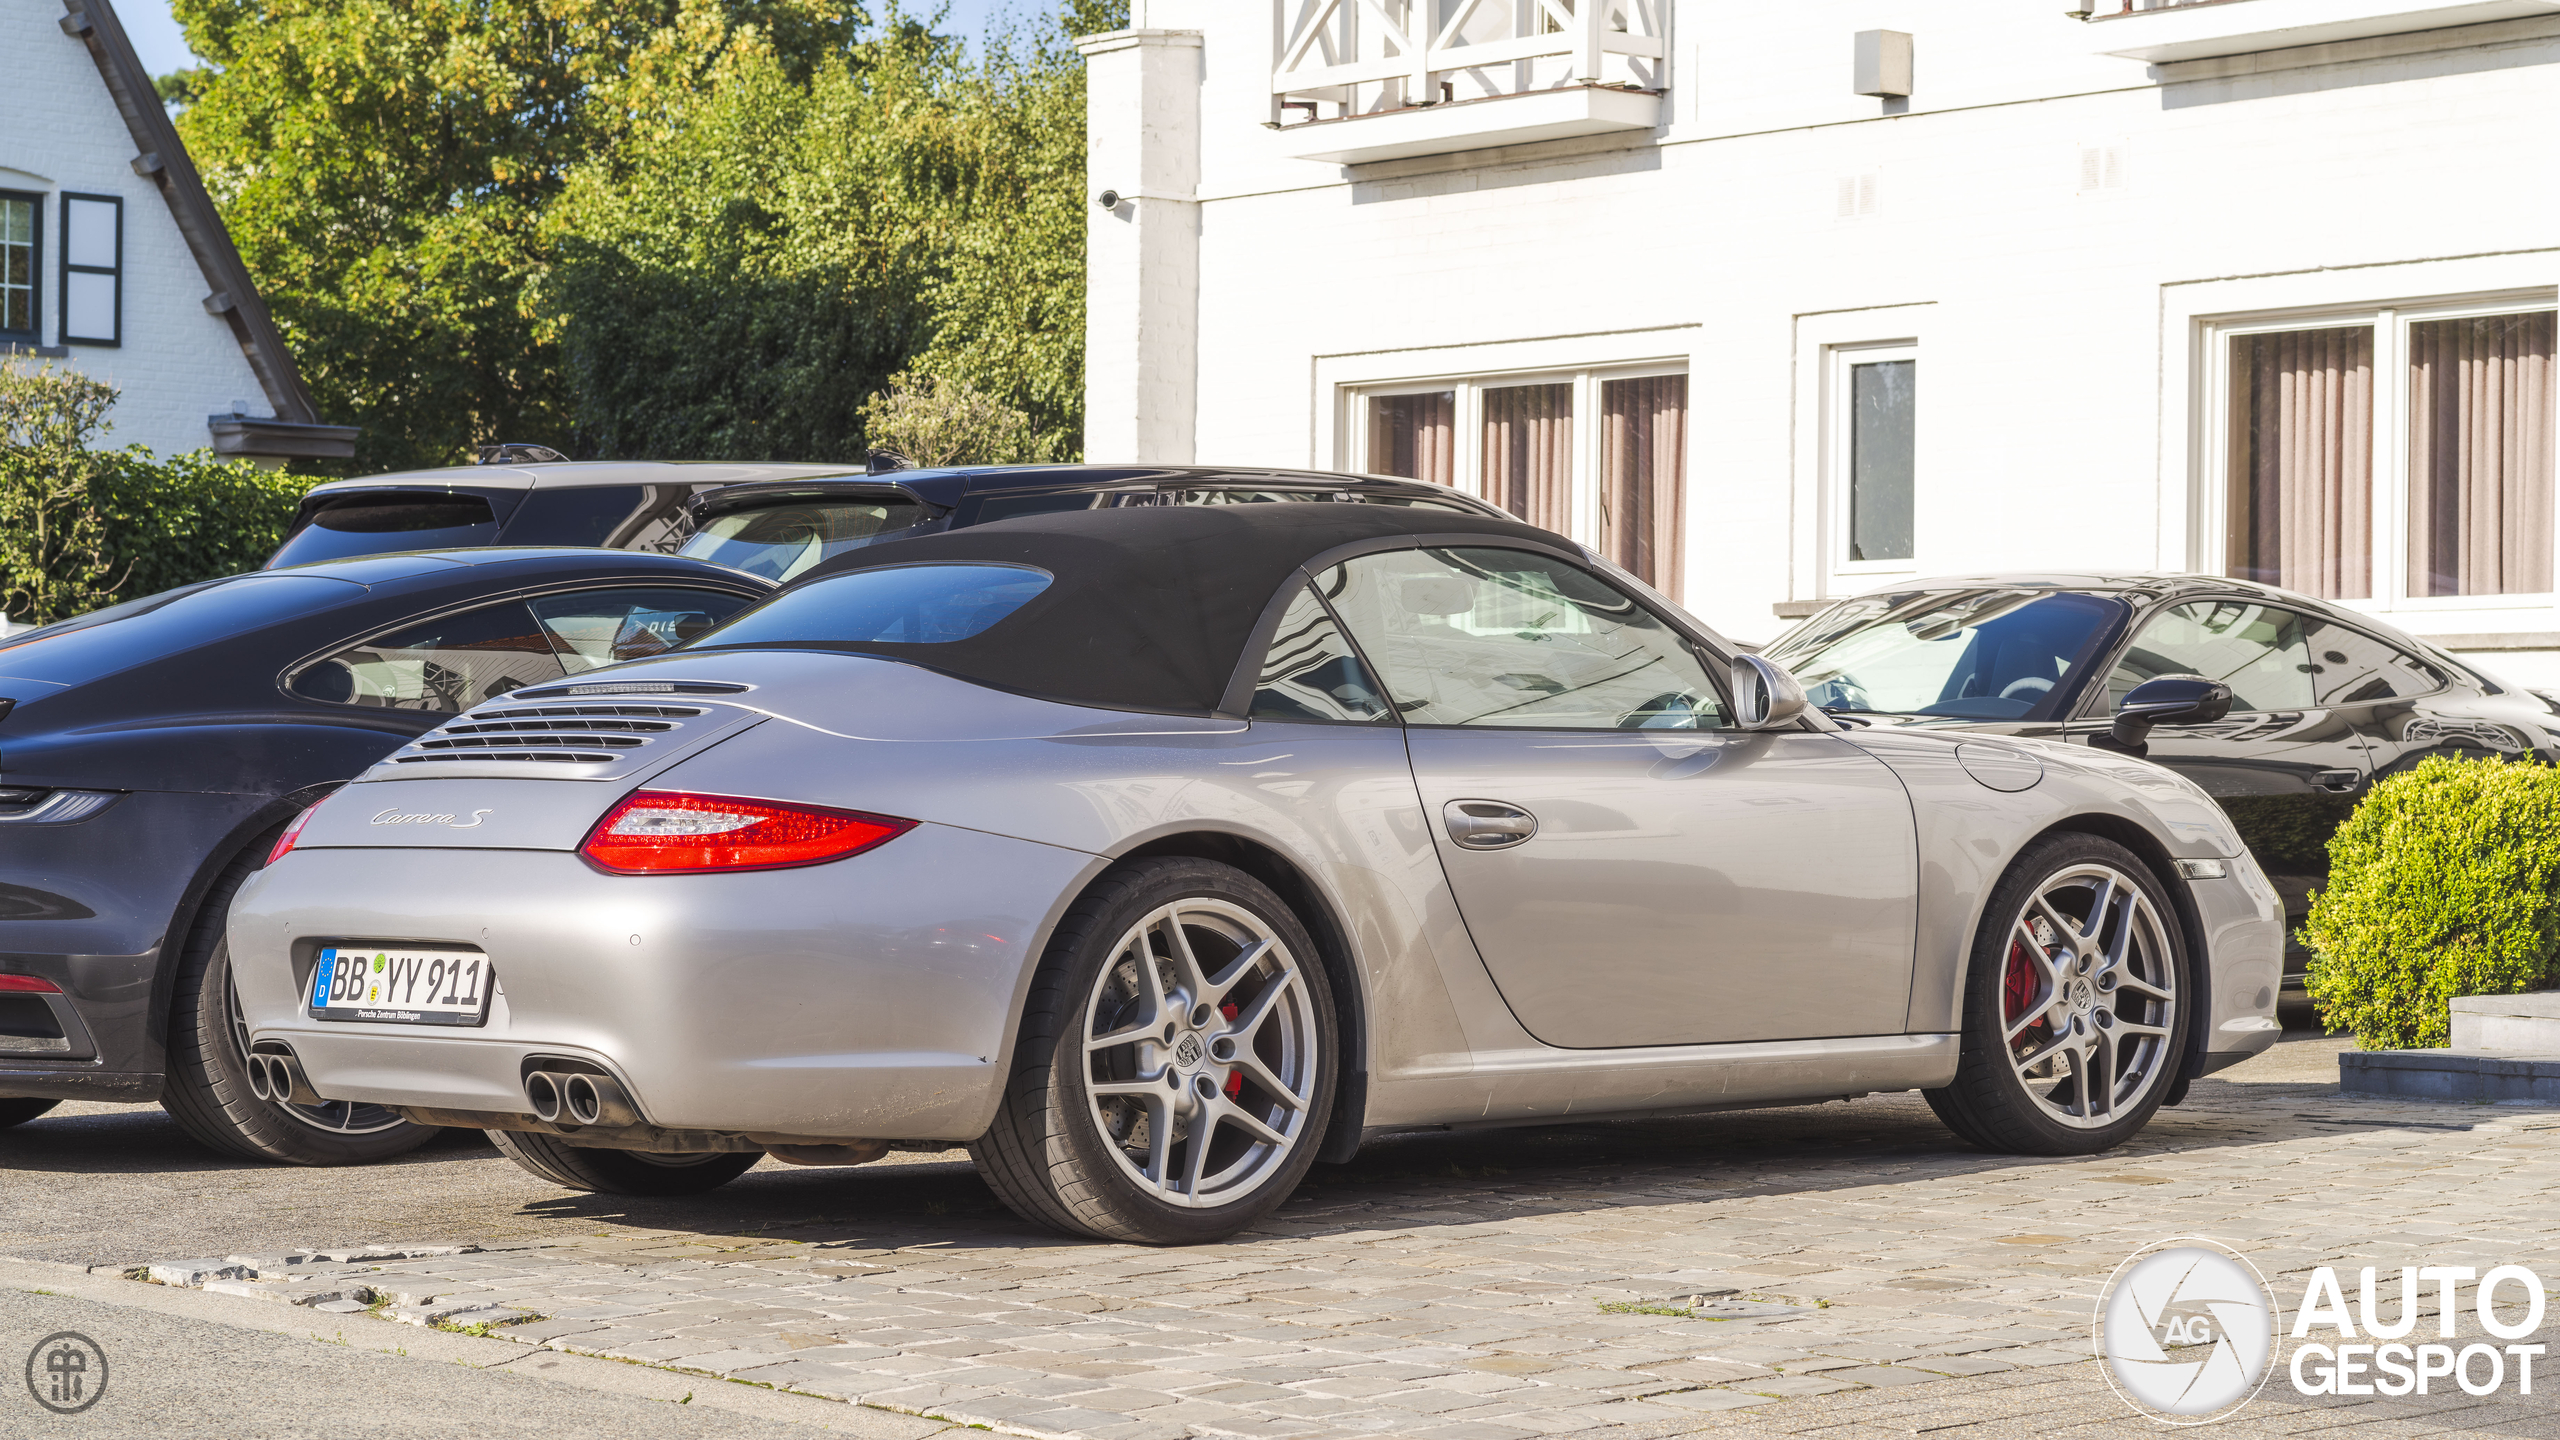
(401, 985)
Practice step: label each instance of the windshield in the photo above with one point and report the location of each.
(1970, 654)
(784, 538)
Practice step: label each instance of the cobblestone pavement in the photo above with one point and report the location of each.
(1882, 1279)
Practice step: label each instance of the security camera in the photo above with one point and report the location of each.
(1108, 199)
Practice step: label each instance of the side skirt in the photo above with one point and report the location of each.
(1543, 1085)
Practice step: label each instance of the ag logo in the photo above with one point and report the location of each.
(2187, 1328)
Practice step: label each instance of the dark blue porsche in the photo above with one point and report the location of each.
(151, 752)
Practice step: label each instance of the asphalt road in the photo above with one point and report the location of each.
(178, 1375)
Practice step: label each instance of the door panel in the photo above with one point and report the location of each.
(2291, 760)
(1686, 888)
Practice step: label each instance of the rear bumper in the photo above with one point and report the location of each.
(874, 997)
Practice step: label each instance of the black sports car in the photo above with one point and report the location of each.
(151, 752)
(2324, 701)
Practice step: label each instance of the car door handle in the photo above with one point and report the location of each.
(1487, 824)
(2337, 781)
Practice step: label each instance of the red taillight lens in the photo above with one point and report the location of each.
(673, 832)
(293, 832)
(29, 985)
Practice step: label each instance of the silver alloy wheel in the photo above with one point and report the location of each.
(2088, 996)
(332, 1117)
(1200, 1052)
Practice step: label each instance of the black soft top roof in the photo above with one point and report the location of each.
(1151, 609)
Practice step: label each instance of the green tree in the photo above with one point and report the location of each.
(738, 281)
(384, 166)
(54, 556)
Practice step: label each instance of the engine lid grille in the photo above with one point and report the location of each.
(510, 734)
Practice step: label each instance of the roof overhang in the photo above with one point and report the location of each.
(255, 438)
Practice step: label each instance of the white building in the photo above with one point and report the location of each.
(113, 261)
(1775, 302)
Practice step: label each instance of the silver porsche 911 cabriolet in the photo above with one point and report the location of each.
(1157, 854)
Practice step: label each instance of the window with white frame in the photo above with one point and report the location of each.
(92, 270)
(21, 251)
(2397, 455)
(1872, 395)
(1599, 455)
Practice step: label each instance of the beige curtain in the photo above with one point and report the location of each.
(1528, 453)
(1643, 448)
(2302, 460)
(1415, 436)
(2480, 403)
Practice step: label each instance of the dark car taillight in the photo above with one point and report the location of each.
(677, 832)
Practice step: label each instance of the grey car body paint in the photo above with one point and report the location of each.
(876, 997)
(1969, 834)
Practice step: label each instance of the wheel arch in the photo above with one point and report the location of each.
(1324, 922)
(2155, 857)
(242, 838)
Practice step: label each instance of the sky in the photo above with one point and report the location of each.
(163, 49)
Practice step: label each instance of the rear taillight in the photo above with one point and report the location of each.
(673, 832)
(293, 832)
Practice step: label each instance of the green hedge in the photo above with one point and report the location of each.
(82, 526)
(2440, 884)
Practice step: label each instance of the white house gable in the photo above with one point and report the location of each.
(98, 270)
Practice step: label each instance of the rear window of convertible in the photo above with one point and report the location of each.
(892, 605)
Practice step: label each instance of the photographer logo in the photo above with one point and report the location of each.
(2186, 1328)
(66, 1372)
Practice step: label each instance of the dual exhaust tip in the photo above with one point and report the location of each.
(278, 1080)
(560, 1098)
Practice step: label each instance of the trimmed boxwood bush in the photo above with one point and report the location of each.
(2441, 884)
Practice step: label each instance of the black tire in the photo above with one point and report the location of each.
(621, 1172)
(19, 1112)
(207, 1091)
(1991, 1103)
(1047, 1156)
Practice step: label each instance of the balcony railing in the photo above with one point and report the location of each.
(1344, 58)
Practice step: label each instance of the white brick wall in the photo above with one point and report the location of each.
(59, 131)
(2058, 326)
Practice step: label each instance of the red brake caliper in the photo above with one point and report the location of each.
(1235, 1080)
(2018, 984)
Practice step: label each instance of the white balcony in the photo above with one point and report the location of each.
(2162, 31)
(1362, 80)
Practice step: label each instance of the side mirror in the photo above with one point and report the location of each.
(1765, 697)
(2168, 700)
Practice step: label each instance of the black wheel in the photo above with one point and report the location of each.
(2075, 1008)
(207, 1091)
(621, 1172)
(1176, 1062)
(19, 1112)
